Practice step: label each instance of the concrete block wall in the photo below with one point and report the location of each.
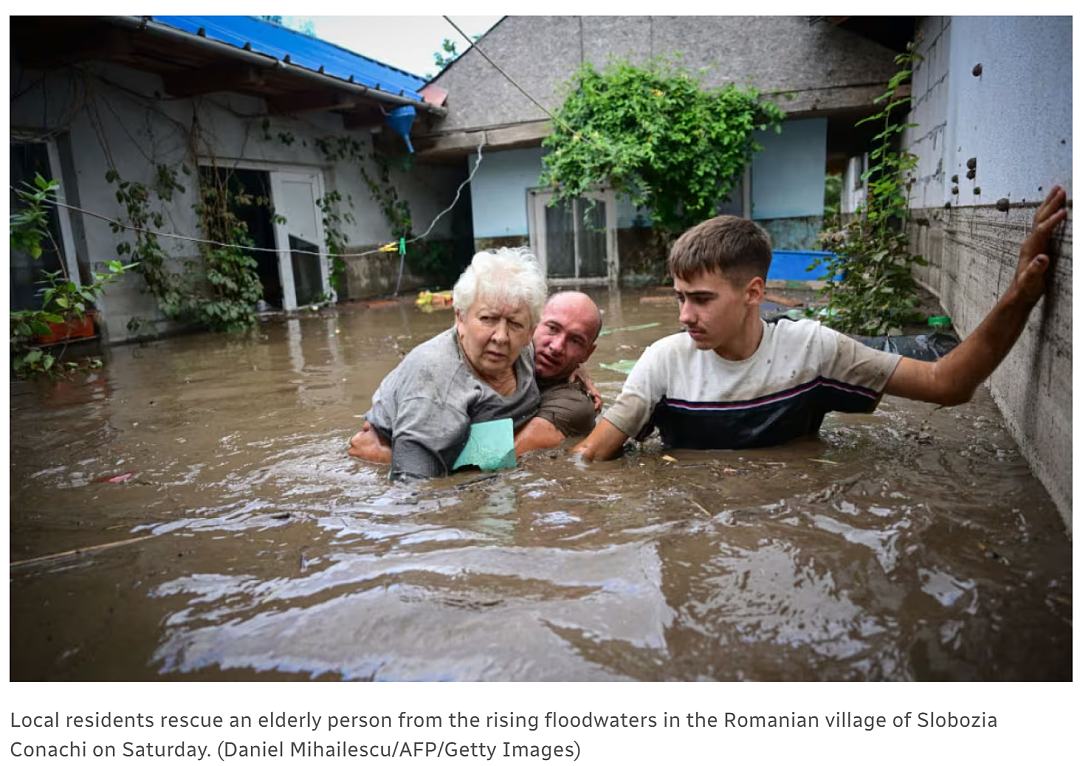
(973, 253)
(998, 89)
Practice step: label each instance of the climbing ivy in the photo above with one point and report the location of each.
(336, 239)
(874, 290)
(655, 135)
(395, 210)
(219, 289)
(431, 257)
(146, 252)
(229, 275)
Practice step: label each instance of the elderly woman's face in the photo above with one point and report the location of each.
(492, 335)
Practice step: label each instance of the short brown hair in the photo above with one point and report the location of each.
(736, 248)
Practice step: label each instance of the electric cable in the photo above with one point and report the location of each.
(389, 247)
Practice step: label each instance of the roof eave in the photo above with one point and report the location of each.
(266, 61)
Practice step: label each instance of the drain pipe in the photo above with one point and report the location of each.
(266, 61)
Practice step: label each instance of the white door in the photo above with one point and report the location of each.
(575, 241)
(305, 273)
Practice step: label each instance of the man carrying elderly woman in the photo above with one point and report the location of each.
(479, 370)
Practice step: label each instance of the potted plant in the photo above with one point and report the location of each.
(65, 311)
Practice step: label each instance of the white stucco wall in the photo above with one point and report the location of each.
(121, 117)
(788, 174)
(498, 191)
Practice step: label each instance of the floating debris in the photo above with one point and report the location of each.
(630, 329)
(119, 478)
(623, 365)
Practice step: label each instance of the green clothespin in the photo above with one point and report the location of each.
(401, 246)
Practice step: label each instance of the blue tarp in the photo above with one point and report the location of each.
(303, 51)
(792, 265)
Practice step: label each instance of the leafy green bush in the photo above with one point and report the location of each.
(873, 254)
(657, 137)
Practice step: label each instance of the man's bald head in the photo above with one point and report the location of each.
(566, 335)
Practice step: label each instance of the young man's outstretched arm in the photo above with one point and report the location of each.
(603, 443)
(954, 378)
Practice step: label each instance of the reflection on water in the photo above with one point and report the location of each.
(242, 542)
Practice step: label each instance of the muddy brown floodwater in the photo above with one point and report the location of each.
(913, 543)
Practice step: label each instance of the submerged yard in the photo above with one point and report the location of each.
(913, 543)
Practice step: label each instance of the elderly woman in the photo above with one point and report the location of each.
(474, 372)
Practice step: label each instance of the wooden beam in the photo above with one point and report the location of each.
(824, 102)
(219, 78)
(465, 142)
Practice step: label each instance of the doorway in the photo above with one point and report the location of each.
(250, 201)
(302, 262)
(280, 210)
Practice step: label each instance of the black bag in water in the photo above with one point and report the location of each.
(925, 348)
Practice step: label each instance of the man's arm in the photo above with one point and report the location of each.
(368, 444)
(954, 378)
(581, 375)
(538, 433)
(604, 443)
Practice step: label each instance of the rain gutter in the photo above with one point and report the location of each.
(143, 24)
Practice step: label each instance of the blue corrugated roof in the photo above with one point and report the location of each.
(304, 51)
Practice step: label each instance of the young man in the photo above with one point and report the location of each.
(731, 381)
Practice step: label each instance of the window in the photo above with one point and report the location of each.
(574, 240)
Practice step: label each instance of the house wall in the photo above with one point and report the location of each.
(787, 195)
(500, 215)
(817, 67)
(820, 66)
(1014, 119)
(788, 183)
(117, 114)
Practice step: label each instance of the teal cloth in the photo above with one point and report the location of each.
(490, 446)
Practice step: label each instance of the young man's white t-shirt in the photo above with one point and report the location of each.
(699, 400)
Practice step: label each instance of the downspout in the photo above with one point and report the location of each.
(265, 61)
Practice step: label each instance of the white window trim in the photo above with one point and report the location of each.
(537, 199)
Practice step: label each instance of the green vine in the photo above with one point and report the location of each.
(657, 137)
(336, 239)
(877, 292)
(220, 288)
(230, 279)
(428, 256)
(395, 210)
(146, 252)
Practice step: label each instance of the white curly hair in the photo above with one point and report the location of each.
(504, 275)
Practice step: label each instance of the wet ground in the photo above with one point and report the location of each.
(238, 541)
